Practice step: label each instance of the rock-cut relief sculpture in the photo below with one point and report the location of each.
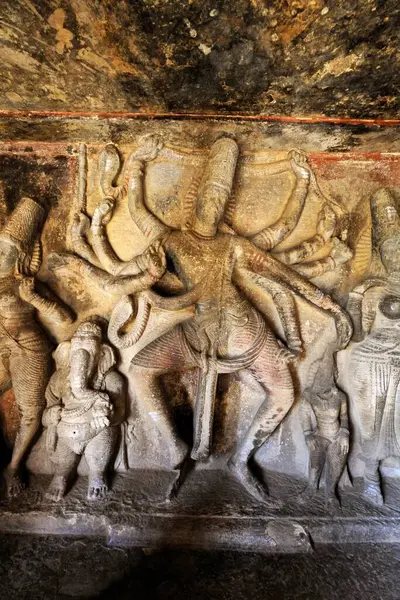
(331, 229)
(24, 347)
(222, 273)
(325, 422)
(85, 406)
(96, 260)
(374, 362)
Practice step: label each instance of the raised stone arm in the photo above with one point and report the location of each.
(298, 255)
(285, 306)
(147, 223)
(363, 318)
(80, 244)
(258, 263)
(326, 227)
(339, 255)
(104, 252)
(52, 309)
(271, 236)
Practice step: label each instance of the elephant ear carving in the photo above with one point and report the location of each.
(107, 359)
(61, 354)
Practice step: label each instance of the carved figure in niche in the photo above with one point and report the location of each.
(325, 423)
(24, 348)
(375, 362)
(85, 406)
(223, 273)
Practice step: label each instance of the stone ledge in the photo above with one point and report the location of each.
(255, 534)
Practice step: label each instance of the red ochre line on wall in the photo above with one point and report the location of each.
(38, 114)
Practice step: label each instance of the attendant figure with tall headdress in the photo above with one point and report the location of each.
(25, 350)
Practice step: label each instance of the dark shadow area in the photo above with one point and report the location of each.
(60, 568)
(27, 176)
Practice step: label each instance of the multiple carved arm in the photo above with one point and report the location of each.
(262, 269)
(118, 277)
(299, 255)
(271, 236)
(53, 309)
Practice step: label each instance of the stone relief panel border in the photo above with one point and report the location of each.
(230, 279)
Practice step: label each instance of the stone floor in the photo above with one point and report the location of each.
(60, 568)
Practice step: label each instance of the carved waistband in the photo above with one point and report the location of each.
(242, 361)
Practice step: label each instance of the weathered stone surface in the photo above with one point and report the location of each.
(277, 58)
(65, 568)
(82, 178)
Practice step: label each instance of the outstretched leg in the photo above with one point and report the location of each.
(318, 448)
(335, 463)
(150, 395)
(372, 483)
(276, 380)
(166, 353)
(29, 373)
(99, 452)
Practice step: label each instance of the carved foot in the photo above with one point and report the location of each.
(182, 473)
(178, 455)
(250, 482)
(307, 495)
(57, 488)
(98, 487)
(14, 482)
(372, 494)
(333, 504)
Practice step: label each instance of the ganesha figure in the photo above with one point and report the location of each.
(222, 273)
(24, 348)
(375, 361)
(85, 406)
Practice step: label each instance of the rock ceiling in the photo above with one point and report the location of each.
(282, 57)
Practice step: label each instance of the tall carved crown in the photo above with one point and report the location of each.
(24, 225)
(221, 165)
(385, 218)
(88, 329)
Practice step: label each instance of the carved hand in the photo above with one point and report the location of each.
(326, 222)
(103, 213)
(340, 252)
(299, 164)
(27, 288)
(296, 347)
(155, 261)
(149, 148)
(311, 442)
(80, 225)
(288, 355)
(102, 411)
(51, 416)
